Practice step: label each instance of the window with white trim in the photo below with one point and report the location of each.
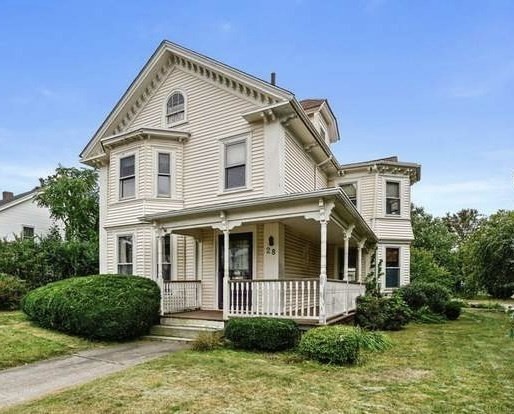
(392, 268)
(28, 232)
(175, 108)
(125, 255)
(393, 198)
(350, 190)
(235, 165)
(166, 258)
(128, 177)
(163, 174)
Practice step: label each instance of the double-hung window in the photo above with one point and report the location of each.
(164, 175)
(125, 255)
(350, 190)
(235, 165)
(128, 177)
(393, 198)
(392, 267)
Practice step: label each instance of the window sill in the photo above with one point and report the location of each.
(234, 191)
(176, 124)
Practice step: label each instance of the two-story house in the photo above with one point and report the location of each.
(223, 188)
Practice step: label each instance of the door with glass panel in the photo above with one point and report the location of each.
(240, 266)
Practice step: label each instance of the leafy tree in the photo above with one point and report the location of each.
(488, 255)
(425, 269)
(432, 235)
(463, 223)
(71, 195)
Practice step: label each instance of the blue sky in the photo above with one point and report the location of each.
(430, 81)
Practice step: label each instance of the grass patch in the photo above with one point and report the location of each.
(22, 342)
(461, 366)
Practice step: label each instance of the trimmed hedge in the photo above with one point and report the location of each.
(106, 307)
(382, 313)
(338, 345)
(12, 289)
(262, 334)
(453, 310)
(419, 294)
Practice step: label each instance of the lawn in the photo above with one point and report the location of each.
(463, 366)
(22, 342)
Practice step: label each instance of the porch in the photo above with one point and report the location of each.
(285, 258)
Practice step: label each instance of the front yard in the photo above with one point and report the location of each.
(463, 366)
(22, 342)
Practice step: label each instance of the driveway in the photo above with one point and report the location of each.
(22, 384)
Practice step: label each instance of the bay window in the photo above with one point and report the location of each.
(393, 198)
(125, 255)
(128, 177)
(392, 268)
(163, 175)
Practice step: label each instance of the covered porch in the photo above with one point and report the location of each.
(299, 256)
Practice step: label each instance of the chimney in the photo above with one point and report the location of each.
(273, 78)
(7, 196)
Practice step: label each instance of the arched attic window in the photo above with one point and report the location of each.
(175, 108)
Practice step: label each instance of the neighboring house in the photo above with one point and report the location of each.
(223, 189)
(20, 216)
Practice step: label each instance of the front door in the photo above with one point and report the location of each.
(240, 260)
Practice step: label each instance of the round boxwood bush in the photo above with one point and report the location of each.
(332, 344)
(12, 289)
(453, 309)
(420, 294)
(262, 334)
(382, 313)
(106, 307)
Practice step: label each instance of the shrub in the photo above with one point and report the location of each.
(425, 315)
(453, 309)
(332, 344)
(374, 341)
(382, 313)
(419, 294)
(12, 290)
(262, 334)
(107, 307)
(208, 341)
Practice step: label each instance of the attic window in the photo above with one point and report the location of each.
(175, 108)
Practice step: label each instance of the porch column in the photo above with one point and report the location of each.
(360, 267)
(226, 264)
(323, 274)
(159, 280)
(347, 235)
(323, 264)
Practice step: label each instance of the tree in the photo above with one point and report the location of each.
(424, 268)
(489, 255)
(463, 223)
(71, 195)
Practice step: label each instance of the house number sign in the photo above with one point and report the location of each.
(270, 248)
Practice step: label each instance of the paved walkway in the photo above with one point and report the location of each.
(28, 382)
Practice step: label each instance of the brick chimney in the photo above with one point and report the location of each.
(7, 196)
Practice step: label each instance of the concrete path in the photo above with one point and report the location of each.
(28, 382)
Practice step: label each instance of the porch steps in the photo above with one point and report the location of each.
(166, 338)
(201, 323)
(182, 329)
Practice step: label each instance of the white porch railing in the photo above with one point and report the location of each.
(291, 298)
(341, 297)
(178, 296)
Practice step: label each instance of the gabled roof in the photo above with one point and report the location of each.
(4, 204)
(311, 103)
(156, 69)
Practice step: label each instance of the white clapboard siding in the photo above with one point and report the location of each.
(299, 168)
(301, 256)
(25, 213)
(394, 229)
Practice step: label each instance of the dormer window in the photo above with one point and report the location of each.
(175, 108)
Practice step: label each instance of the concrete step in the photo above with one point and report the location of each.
(177, 331)
(166, 338)
(171, 321)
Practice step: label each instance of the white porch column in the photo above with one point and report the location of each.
(158, 237)
(323, 265)
(360, 267)
(347, 235)
(226, 265)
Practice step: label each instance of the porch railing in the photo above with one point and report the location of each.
(291, 298)
(181, 295)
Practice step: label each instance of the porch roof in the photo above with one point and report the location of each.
(282, 205)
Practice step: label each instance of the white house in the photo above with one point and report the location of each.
(20, 216)
(224, 189)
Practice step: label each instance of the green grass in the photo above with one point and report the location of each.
(22, 342)
(466, 366)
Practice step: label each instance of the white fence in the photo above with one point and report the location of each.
(178, 296)
(292, 298)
